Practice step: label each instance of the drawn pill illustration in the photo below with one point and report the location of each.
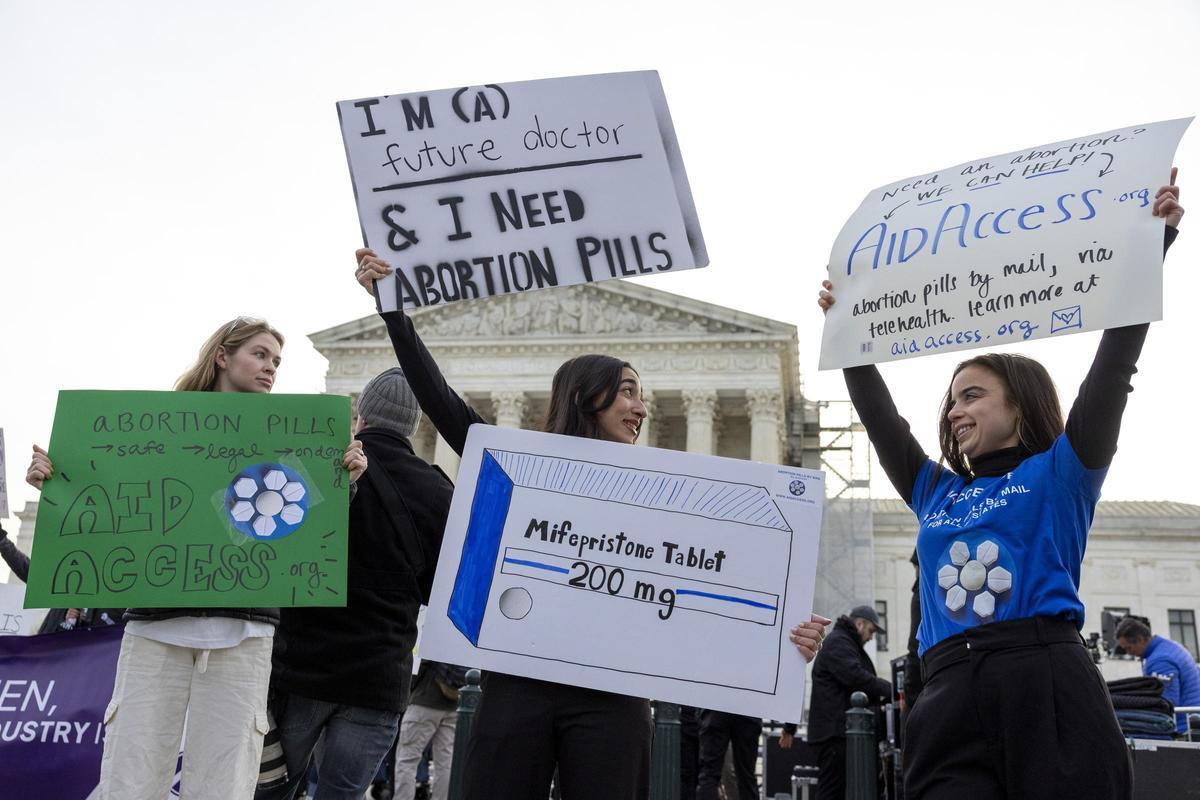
(267, 501)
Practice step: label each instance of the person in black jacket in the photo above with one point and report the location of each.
(342, 672)
(841, 669)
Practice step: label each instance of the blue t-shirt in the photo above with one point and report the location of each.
(1175, 665)
(1007, 547)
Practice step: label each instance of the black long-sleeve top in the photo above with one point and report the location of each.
(17, 561)
(448, 412)
(1092, 427)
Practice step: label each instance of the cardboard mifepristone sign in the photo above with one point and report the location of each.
(646, 572)
(193, 499)
(486, 190)
(1046, 241)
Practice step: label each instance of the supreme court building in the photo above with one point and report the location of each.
(719, 381)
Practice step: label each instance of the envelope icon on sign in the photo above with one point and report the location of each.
(1066, 318)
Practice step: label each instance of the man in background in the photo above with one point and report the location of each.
(1166, 660)
(842, 667)
(431, 716)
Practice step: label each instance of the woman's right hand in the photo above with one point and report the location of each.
(40, 469)
(370, 268)
(825, 299)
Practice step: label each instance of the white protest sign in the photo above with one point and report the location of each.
(3, 479)
(1051, 240)
(15, 619)
(646, 572)
(488, 190)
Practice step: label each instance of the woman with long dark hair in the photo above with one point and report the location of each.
(208, 665)
(525, 728)
(1012, 704)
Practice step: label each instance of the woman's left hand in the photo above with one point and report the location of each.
(807, 636)
(355, 460)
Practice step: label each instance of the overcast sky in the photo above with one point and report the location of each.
(166, 166)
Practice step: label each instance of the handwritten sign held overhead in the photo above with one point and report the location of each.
(620, 568)
(487, 190)
(1051, 240)
(193, 499)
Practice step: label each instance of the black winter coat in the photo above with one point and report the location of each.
(842, 667)
(357, 655)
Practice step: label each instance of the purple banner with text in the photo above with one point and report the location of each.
(54, 689)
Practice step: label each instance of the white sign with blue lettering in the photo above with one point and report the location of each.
(646, 572)
(502, 188)
(1047, 241)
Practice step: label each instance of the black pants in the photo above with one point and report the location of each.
(1014, 710)
(689, 751)
(831, 758)
(523, 728)
(718, 731)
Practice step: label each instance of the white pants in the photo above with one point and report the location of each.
(224, 696)
(419, 725)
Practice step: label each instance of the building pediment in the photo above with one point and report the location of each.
(612, 308)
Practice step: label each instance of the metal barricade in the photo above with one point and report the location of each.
(468, 701)
(664, 764)
(1192, 715)
(860, 750)
(803, 780)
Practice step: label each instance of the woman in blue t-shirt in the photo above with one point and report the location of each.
(1013, 705)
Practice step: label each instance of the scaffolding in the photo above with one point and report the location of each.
(835, 441)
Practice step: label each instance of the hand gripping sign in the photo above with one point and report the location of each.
(1048, 241)
(487, 190)
(646, 572)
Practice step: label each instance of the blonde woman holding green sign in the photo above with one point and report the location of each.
(208, 665)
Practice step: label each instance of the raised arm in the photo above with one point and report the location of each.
(444, 407)
(900, 454)
(1094, 423)
(17, 561)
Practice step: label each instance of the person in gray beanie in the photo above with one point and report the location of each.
(388, 402)
(339, 671)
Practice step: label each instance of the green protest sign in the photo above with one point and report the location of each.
(193, 499)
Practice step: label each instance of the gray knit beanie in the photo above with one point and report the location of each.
(388, 402)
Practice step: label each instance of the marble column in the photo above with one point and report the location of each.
(510, 408)
(765, 407)
(700, 406)
(649, 434)
(445, 457)
(424, 440)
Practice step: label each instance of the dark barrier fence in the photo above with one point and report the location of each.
(468, 701)
(860, 750)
